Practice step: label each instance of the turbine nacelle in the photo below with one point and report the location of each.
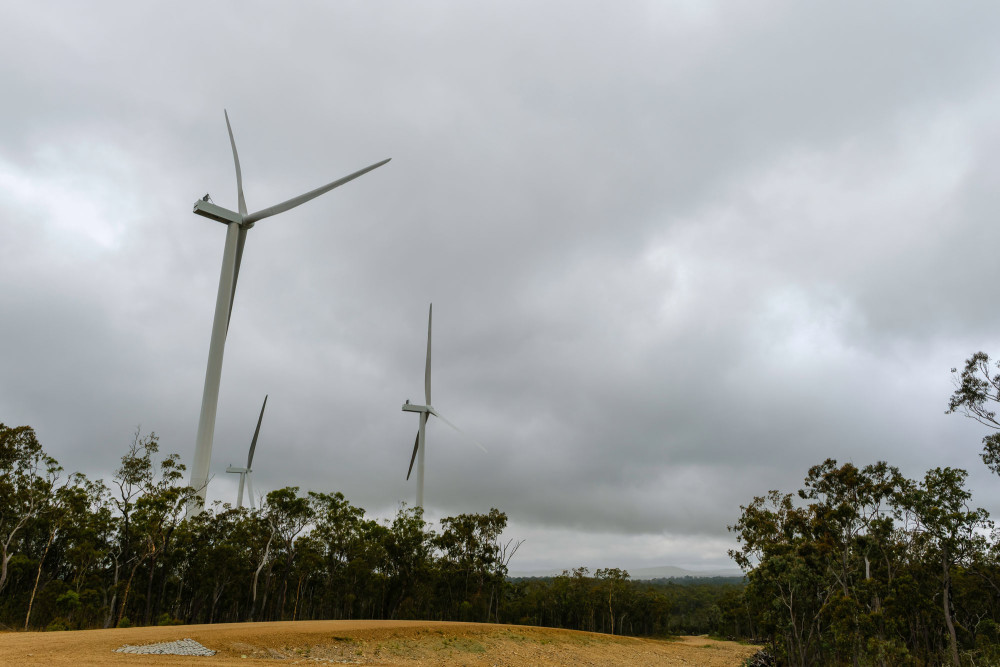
(217, 213)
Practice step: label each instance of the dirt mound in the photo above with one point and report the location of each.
(366, 643)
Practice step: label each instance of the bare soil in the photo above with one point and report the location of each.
(367, 643)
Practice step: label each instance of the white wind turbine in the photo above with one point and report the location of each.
(246, 474)
(419, 445)
(237, 223)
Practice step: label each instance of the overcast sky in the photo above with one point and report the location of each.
(678, 251)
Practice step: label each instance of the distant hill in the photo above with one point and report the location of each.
(643, 573)
(669, 571)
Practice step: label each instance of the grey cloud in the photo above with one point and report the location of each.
(676, 256)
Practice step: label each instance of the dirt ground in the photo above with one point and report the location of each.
(367, 643)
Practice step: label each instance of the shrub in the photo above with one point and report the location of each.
(57, 624)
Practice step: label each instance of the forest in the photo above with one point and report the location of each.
(863, 566)
(860, 566)
(79, 554)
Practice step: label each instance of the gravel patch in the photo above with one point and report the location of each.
(179, 647)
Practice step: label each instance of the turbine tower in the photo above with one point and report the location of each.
(237, 223)
(246, 474)
(419, 445)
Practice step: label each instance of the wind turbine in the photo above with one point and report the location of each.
(237, 223)
(419, 445)
(246, 474)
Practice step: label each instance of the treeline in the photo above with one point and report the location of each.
(872, 569)
(78, 553)
(610, 602)
(863, 566)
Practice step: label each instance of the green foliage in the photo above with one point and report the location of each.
(977, 392)
(27, 477)
(68, 601)
(869, 568)
(661, 608)
(91, 555)
(57, 625)
(987, 641)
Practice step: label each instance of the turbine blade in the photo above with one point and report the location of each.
(250, 489)
(241, 239)
(239, 173)
(253, 443)
(416, 443)
(312, 194)
(427, 368)
(467, 436)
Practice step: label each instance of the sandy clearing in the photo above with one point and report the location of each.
(367, 643)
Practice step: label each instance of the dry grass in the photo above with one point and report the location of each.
(367, 643)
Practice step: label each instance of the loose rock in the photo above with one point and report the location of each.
(180, 647)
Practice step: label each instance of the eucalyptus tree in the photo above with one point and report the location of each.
(262, 534)
(340, 531)
(83, 546)
(225, 562)
(949, 529)
(288, 514)
(785, 573)
(59, 507)
(408, 563)
(130, 478)
(873, 569)
(159, 511)
(852, 518)
(976, 395)
(27, 476)
(306, 566)
(575, 604)
(472, 555)
(150, 501)
(614, 581)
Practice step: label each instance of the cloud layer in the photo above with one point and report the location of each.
(677, 254)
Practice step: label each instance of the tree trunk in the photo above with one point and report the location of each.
(162, 594)
(952, 638)
(177, 600)
(281, 605)
(128, 587)
(149, 591)
(611, 613)
(114, 597)
(38, 576)
(295, 607)
(216, 594)
(267, 590)
(253, 601)
(4, 559)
